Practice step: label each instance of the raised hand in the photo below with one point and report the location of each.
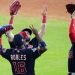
(34, 30)
(44, 11)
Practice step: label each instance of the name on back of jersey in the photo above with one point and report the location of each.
(18, 57)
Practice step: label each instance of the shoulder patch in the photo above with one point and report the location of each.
(34, 49)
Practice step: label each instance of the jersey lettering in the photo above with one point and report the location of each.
(18, 57)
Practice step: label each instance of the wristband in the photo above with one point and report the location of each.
(44, 19)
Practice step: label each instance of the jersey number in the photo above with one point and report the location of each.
(19, 67)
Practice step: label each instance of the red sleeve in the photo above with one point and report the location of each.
(72, 31)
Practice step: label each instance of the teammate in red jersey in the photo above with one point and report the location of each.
(71, 58)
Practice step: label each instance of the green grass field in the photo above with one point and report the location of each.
(54, 60)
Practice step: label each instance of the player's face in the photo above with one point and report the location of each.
(26, 41)
(27, 34)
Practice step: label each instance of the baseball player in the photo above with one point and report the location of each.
(27, 31)
(71, 58)
(22, 59)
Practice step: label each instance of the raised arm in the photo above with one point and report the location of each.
(3, 30)
(43, 26)
(9, 34)
(11, 20)
(42, 44)
(14, 8)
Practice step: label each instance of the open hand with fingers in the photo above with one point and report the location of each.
(44, 12)
(34, 30)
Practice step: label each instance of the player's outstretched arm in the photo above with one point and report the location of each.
(3, 30)
(14, 8)
(11, 20)
(43, 26)
(42, 44)
(9, 34)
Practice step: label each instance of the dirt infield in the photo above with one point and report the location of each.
(56, 8)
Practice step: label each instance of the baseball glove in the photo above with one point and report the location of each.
(70, 8)
(14, 8)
